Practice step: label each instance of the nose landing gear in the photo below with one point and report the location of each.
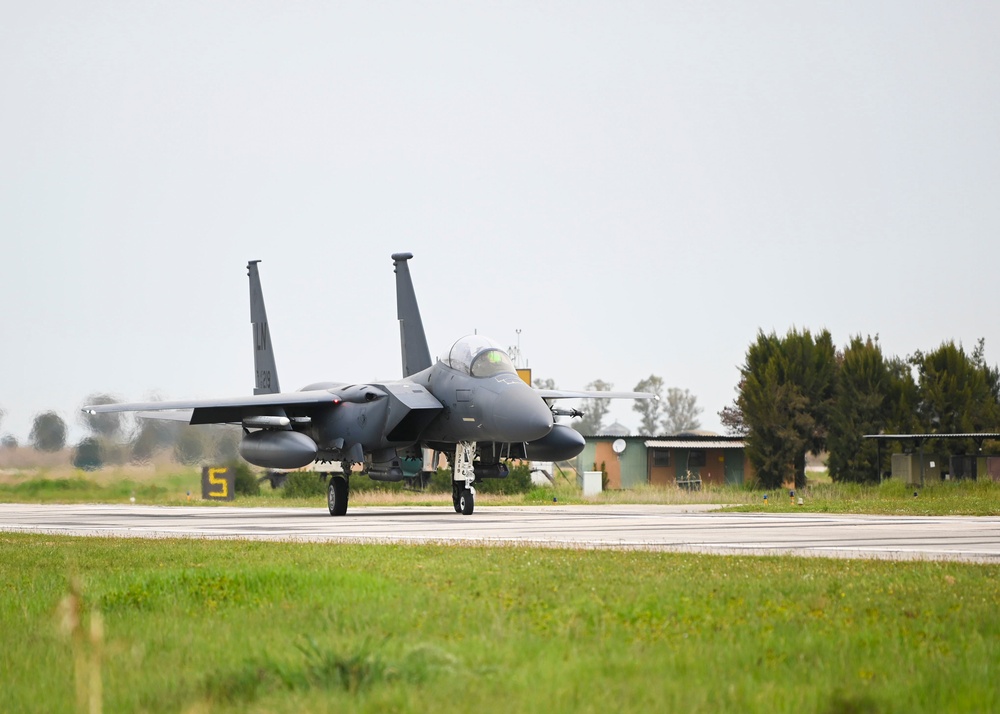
(463, 494)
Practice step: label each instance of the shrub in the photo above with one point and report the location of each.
(88, 455)
(440, 481)
(246, 483)
(517, 481)
(304, 484)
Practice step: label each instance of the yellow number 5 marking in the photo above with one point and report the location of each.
(224, 493)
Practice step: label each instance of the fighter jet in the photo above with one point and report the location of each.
(470, 404)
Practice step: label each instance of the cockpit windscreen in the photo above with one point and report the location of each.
(478, 356)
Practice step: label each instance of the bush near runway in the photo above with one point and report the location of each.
(172, 484)
(226, 626)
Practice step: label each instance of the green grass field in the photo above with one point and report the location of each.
(171, 485)
(228, 626)
(892, 497)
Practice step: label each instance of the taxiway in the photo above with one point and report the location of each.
(677, 528)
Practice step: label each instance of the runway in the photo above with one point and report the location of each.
(671, 528)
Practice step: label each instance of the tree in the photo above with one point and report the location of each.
(992, 374)
(732, 416)
(150, 436)
(88, 454)
(109, 425)
(48, 432)
(9, 441)
(680, 412)
(649, 410)
(225, 443)
(957, 394)
(594, 409)
(868, 394)
(785, 399)
(190, 445)
(547, 383)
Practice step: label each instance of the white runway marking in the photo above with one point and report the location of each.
(680, 528)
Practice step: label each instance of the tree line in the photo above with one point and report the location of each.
(109, 440)
(798, 394)
(674, 410)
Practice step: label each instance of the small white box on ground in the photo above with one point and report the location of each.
(591, 483)
(542, 473)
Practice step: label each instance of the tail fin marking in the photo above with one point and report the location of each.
(265, 371)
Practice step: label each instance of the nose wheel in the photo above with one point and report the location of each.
(464, 500)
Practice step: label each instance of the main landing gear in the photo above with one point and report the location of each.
(463, 494)
(337, 493)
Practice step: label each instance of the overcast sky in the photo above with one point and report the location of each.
(639, 187)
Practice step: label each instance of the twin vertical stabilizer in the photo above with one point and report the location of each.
(413, 342)
(265, 372)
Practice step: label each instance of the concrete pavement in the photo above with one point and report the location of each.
(677, 528)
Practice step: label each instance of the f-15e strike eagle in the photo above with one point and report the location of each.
(469, 403)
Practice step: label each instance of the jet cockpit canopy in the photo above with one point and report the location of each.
(478, 356)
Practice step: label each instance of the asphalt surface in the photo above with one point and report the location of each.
(677, 528)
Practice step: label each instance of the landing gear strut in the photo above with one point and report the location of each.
(337, 493)
(463, 494)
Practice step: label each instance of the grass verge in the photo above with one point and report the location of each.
(891, 497)
(244, 626)
(182, 486)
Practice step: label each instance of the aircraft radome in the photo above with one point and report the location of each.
(469, 403)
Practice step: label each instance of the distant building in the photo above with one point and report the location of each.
(689, 458)
(616, 429)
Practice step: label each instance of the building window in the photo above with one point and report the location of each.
(696, 458)
(661, 457)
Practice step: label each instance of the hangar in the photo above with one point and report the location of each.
(689, 459)
(915, 465)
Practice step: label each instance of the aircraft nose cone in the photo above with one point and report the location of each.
(521, 415)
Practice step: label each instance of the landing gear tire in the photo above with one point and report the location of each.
(466, 502)
(336, 495)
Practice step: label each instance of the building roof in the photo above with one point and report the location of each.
(617, 429)
(717, 443)
(893, 437)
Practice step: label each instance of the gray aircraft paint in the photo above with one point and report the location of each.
(413, 342)
(471, 396)
(265, 370)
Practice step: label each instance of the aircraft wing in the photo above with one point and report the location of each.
(183, 415)
(565, 394)
(226, 410)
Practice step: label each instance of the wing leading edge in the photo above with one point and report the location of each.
(226, 410)
(566, 394)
